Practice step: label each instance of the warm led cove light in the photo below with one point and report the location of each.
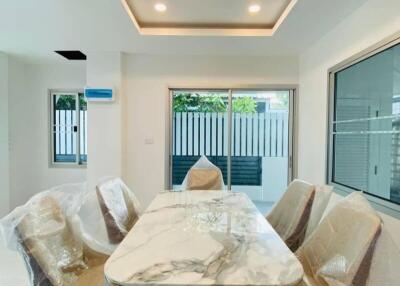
(254, 8)
(160, 7)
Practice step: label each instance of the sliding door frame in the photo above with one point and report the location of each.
(292, 136)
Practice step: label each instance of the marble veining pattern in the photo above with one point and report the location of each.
(203, 238)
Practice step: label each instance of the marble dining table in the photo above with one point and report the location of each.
(202, 238)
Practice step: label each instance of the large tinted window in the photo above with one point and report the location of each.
(366, 126)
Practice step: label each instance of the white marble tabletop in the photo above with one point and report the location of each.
(202, 238)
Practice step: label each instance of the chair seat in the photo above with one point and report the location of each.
(307, 282)
(302, 283)
(308, 279)
(94, 277)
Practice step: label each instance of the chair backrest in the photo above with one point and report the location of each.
(203, 175)
(339, 251)
(51, 252)
(290, 215)
(119, 207)
(321, 200)
(385, 261)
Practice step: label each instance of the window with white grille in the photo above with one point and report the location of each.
(68, 130)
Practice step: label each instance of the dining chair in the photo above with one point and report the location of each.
(321, 199)
(119, 207)
(339, 251)
(54, 255)
(290, 215)
(385, 261)
(203, 175)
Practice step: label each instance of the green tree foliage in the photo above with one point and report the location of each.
(189, 102)
(68, 102)
(244, 105)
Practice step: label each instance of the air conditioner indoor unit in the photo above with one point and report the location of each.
(106, 94)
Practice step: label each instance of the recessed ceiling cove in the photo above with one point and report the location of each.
(208, 17)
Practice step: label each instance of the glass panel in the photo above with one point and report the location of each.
(367, 125)
(83, 129)
(64, 122)
(199, 127)
(260, 144)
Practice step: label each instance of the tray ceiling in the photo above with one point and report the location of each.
(208, 17)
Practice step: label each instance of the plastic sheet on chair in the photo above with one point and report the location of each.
(290, 215)
(42, 233)
(90, 219)
(321, 199)
(69, 198)
(203, 175)
(119, 207)
(340, 250)
(385, 261)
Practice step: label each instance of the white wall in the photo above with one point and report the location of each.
(368, 25)
(147, 79)
(4, 153)
(105, 124)
(29, 126)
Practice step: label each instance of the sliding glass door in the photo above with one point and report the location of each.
(199, 127)
(246, 133)
(260, 143)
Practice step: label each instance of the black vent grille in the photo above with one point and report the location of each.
(72, 55)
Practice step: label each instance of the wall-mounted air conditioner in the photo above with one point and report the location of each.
(99, 94)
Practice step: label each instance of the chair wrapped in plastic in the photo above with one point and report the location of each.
(385, 261)
(203, 175)
(42, 233)
(119, 207)
(340, 250)
(321, 200)
(290, 215)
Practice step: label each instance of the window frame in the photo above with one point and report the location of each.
(52, 163)
(380, 204)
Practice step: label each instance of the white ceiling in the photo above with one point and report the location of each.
(32, 30)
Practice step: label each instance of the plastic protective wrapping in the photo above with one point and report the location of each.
(116, 205)
(321, 199)
(290, 215)
(203, 175)
(41, 231)
(385, 261)
(69, 199)
(340, 250)
(119, 207)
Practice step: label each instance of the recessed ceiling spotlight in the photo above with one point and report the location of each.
(254, 8)
(160, 7)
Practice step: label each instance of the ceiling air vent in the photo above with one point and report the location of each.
(72, 55)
